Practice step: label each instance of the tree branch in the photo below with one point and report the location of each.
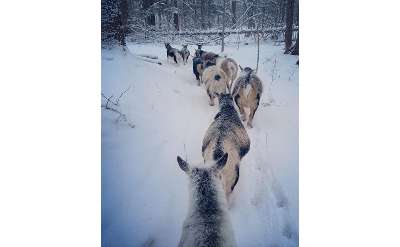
(112, 108)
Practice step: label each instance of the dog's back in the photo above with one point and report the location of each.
(215, 81)
(172, 52)
(230, 67)
(209, 57)
(226, 134)
(185, 53)
(247, 93)
(249, 87)
(197, 68)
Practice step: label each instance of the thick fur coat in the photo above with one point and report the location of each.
(247, 93)
(216, 82)
(207, 223)
(172, 52)
(184, 54)
(226, 134)
(198, 68)
(230, 67)
(209, 58)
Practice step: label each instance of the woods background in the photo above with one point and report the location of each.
(196, 21)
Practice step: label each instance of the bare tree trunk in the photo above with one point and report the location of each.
(295, 50)
(296, 13)
(234, 14)
(176, 21)
(123, 30)
(150, 20)
(258, 48)
(258, 37)
(159, 19)
(251, 22)
(282, 11)
(196, 15)
(223, 26)
(209, 16)
(202, 12)
(289, 25)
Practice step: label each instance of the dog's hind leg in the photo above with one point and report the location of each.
(212, 100)
(230, 85)
(211, 97)
(241, 108)
(253, 110)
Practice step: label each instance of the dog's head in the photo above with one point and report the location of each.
(198, 53)
(246, 69)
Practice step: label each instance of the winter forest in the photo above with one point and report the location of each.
(200, 123)
(197, 21)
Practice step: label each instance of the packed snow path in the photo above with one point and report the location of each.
(145, 194)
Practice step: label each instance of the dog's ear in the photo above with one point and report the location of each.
(183, 164)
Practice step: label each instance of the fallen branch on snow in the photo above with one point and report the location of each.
(122, 94)
(147, 56)
(149, 60)
(111, 106)
(116, 102)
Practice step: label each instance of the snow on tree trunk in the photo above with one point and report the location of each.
(289, 25)
(114, 27)
(203, 14)
(258, 49)
(234, 14)
(123, 8)
(295, 50)
(223, 26)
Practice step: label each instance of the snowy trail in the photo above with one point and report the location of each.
(144, 193)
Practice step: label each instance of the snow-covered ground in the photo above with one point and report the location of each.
(145, 194)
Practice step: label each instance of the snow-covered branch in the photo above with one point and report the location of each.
(113, 105)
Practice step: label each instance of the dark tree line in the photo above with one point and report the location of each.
(148, 19)
(114, 21)
(290, 12)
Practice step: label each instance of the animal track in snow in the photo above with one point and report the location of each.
(149, 243)
(287, 231)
